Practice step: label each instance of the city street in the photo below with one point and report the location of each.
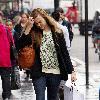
(84, 12)
(78, 56)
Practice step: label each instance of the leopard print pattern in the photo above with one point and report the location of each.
(48, 53)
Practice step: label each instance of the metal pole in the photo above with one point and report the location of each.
(86, 44)
(56, 4)
(81, 21)
(81, 9)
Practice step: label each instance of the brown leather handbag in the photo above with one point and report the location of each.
(26, 57)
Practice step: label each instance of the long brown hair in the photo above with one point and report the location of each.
(50, 21)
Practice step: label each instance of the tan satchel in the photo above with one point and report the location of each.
(26, 57)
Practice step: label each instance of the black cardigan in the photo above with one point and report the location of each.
(21, 41)
(64, 60)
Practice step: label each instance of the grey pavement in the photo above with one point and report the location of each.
(78, 53)
(91, 93)
(25, 93)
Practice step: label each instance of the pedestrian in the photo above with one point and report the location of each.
(52, 61)
(18, 29)
(96, 35)
(56, 16)
(59, 16)
(10, 25)
(5, 61)
(19, 37)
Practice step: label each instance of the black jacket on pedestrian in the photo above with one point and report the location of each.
(64, 60)
(21, 40)
(68, 25)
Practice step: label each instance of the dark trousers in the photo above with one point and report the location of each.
(50, 81)
(6, 86)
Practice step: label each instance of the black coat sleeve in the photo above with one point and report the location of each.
(65, 53)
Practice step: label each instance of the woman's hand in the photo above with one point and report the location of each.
(73, 76)
(29, 25)
(31, 21)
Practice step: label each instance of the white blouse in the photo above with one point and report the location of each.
(48, 54)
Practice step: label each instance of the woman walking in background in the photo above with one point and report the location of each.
(59, 16)
(22, 40)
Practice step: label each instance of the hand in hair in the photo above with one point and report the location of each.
(29, 25)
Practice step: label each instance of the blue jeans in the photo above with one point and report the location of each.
(50, 81)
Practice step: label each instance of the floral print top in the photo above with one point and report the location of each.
(48, 54)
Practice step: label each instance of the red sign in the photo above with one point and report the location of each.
(72, 14)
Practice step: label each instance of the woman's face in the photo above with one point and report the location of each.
(62, 15)
(10, 25)
(40, 22)
(24, 18)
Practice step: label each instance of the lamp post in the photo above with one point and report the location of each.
(81, 9)
(56, 4)
(86, 44)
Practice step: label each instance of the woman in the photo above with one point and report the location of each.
(22, 40)
(18, 29)
(10, 25)
(52, 61)
(58, 15)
